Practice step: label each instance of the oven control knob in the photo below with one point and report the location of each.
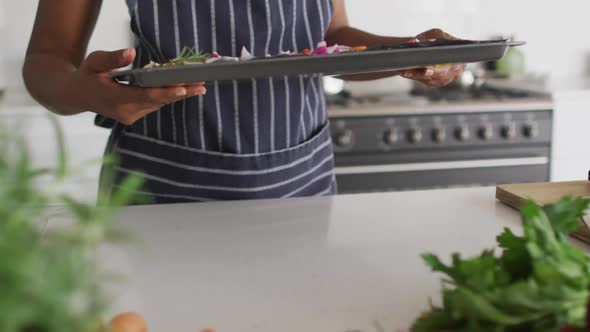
(414, 135)
(462, 133)
(508, 131)
(391, 137)
(530, 130)
(344, 139)
(485, 133)
(439, 135)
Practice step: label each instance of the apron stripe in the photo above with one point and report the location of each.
(316, 97)
(302, 111)
(232, 16)
(184, 121)
(309, 112)
(195, 27)
(307, 27)
(251, 27)
(303, 187)
(323, 148)
(142, 38)
(237, 117)
(183, 197)
(321, 13)
(255, 117)
(294, 31)
(283, 25)
(157, 27)
(327, 161)
(272, 114)
(317, 140)
(268, 27)
(216, 84)
(313, 181)
(324, 114)
(177, 44)
(288, 112)
(202, 122)
(254, 84)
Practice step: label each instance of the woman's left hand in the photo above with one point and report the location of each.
(434, 76)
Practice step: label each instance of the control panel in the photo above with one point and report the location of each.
(386, 133)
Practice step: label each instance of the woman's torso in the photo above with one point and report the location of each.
(282, 119)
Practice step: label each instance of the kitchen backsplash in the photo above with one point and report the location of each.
(554, 30)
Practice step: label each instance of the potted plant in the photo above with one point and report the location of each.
(50, 281)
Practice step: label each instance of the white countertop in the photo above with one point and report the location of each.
(318, 264)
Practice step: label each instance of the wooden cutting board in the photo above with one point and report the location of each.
(515, 195)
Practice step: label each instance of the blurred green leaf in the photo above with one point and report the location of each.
(540, 282)
(51, 282)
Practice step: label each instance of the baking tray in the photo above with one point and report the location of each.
(373, 59)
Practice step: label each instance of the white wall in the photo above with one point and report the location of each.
(556, 31)
(408, 18)
(112, 32)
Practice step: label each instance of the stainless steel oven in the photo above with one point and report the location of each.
(392, 147)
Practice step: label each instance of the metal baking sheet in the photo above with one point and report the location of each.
(374, 59)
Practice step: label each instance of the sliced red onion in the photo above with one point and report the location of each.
(333, 49)
(214, 57)
(246, 55)
(322, 48)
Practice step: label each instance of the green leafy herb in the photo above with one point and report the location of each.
(540, 282)
(187, 56)
(49, 281)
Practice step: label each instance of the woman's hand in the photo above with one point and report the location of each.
(92, 89)
(434, 76)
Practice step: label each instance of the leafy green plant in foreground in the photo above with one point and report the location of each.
(539, 282)
(49, 281)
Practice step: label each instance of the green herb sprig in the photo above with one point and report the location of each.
(540, 281)
(187, 56)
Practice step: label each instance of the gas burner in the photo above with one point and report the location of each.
(345, 99)
(481, 93)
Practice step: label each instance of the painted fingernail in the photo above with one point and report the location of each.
(181, 92)
(429, 72)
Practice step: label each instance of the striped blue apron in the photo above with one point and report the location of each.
(250, 139)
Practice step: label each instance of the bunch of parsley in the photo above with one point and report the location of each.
(49, 281)
(539, 282)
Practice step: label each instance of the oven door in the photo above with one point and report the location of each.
(430, 174)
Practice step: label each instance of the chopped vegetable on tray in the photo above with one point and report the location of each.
(188, 56)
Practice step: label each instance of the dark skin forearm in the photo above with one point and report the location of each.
(340, 32)
(60, 76)
(347, 35)
(50, 62)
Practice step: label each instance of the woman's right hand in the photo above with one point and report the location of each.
(91, 88)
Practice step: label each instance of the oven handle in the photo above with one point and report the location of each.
(443, 165)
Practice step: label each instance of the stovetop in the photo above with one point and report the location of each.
(483, 93)
(438, 100)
